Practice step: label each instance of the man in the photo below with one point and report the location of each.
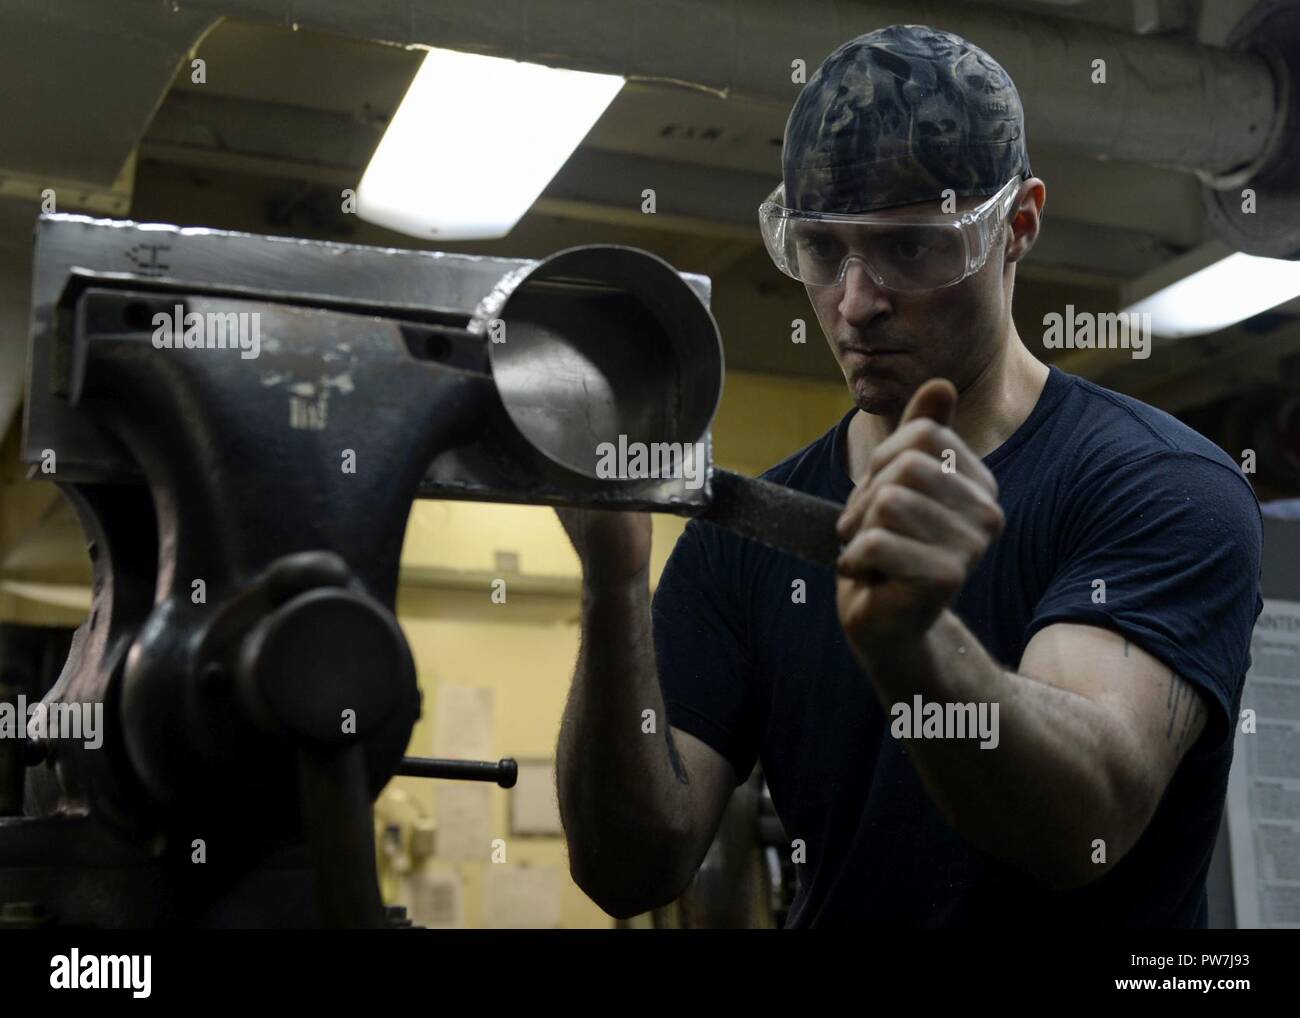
(1016, 700)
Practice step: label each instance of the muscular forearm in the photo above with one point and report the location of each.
(622, 789)
(1059, 778)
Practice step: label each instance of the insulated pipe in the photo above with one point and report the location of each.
(1167, 102)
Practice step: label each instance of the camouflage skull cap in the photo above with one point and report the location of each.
(894, 117)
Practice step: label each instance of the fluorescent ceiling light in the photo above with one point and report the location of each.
(474, 142)
(1220, 294)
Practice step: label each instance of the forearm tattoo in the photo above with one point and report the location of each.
(1182, 709)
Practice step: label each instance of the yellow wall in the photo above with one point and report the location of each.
(524, 649)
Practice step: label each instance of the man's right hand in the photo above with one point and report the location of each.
(614, 547)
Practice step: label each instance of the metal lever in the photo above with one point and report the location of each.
(337, 824)
(504, 772)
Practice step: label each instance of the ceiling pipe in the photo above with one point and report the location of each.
(81, 81)
(1231, 116)
(1164, 101)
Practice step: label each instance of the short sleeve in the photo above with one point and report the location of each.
(1176, 539)
(701, 647)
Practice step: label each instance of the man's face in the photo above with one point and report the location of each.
(888, 342)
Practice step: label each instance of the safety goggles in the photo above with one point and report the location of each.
(899, 251)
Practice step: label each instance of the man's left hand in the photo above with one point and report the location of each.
(915, 527)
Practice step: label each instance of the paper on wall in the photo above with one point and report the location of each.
(518, 897)
(434, 899)
(533, 806)
(463, 722)
(463, 810)
(1263, 802)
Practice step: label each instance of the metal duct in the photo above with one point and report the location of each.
(1166, 102)
(81, 81)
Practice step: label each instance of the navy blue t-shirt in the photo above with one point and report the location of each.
(1094, 485)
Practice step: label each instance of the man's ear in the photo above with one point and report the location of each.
(1026, 217)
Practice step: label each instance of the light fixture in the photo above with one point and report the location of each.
(1211, 288)
(474, 141)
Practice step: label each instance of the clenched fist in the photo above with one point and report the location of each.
(915, 527)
